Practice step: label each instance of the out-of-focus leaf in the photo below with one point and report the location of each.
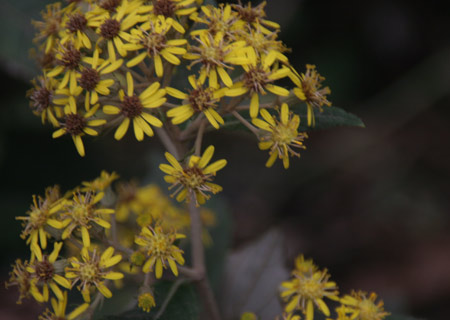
(182, 305)
(252, 278)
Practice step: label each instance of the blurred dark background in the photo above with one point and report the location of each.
(371, 205)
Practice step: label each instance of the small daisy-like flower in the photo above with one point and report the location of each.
(306, 290)
(146, 301)
(50, 27)
(255, 16)
(221, 21)
(93, 270)
(76, 26)
(199, 100)
(113, 28)
(21, 278)
(68, 59)
(195, 177)
(281, 136)
(40, 215)
(90, 78)
(257, 79)
(41, 100)
(59, 310)
(215, 55)
(152, 38)
(78, 125)
(100, 183)
(133, 108)
(44, 269)
(361, 306)
(309, 89)
(160, 250)
(172, 10)
(249, 316)
(80, 212)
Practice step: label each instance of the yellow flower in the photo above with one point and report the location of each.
(221, 21)
(304, 266)
(288, 316)
(78, 125)
(40, 215)
(200, 99)
(93, 270)
(80, 212)
(59, 310)
(255, 16)
(309, 89)
(363, 307)
(152, 38)
(50, 27)
(90, 78)
(133, 108)
(257, 79)
(45, 269)
(160, 250)
(281, 136)
(215, 54)
(100, 183)
(41, 100)
(68, 59)
(21, 278)
(195, 177)
(306, 290)
(146, 301)
(76, 29)
(114, 26)
(172, 10)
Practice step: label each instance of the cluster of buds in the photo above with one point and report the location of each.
(100, 235)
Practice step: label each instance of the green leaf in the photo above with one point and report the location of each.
(183, 304)
(330, 117)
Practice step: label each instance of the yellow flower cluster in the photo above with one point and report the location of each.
(115, 64)
(99, 234)
(308, 287)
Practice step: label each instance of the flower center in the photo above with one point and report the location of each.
(193, 177)
(255, 79)
(45, 270)
(76, 22)
(160, 244)
(164, 7)
(89, 79)
(368, 310)
(89, 272)
(110, 29)
(110, 5)
(41, 98)
(154, 43)
(131, 106)
(71, 57)
(75, 124)
(311, 288)
(201, 99)
(284, 134)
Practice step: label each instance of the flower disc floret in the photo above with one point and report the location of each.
(361, 306)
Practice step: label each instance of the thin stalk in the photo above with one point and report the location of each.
(198, 140)
(167, 142)
(246, 123)
(170, 294)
